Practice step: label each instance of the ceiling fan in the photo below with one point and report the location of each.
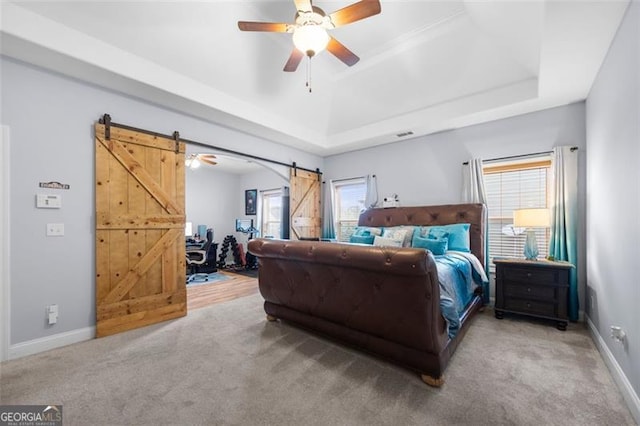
(194, 161)
(309, 30)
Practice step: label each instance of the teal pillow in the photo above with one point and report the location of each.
(362, 239)
(426, 231)
(437, 246)
(367, 230)
(458, 235)
(438, 233)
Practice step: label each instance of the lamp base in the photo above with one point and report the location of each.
(531, 246)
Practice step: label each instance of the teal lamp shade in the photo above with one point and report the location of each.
(529, 219)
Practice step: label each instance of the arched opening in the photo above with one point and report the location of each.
(215, 200)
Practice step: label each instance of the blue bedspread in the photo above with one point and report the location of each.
(459, 276)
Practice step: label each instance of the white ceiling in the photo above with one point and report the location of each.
(425, 66)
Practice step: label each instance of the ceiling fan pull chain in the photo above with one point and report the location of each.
(309, 73)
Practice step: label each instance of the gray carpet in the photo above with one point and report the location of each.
(226, 365)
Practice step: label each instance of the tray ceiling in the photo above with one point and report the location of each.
(425, 66)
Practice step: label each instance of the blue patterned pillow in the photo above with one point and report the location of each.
(437, 246)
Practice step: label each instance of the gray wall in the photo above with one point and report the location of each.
(51, 120)
(428, 170)
(260, 180)
(613, 180)
(212, 198)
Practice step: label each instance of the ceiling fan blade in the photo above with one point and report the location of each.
(208, 161)
(355, 12)
(341, 52)
(294, 60)
(274, 27)
(303, 5)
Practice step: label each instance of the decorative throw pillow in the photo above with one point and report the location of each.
(362, 239)
(367, 230)
(437, 246)
(402, 233)
(426, 232)
(438, 233)
(458, 235)
(386, 242)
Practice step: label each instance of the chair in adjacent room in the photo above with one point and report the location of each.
(198, 259)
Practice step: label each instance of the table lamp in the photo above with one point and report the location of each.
(531, 218)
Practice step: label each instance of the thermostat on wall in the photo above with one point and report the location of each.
(48, 201)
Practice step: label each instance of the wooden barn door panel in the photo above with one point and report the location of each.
(140, 266)
(305, 204)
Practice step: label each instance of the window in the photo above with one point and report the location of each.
(348, 196)
(271, 212)
(514, 185)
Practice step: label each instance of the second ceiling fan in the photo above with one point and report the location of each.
(309, 30)
(193, 161)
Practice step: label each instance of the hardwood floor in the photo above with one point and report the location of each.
(207, 294)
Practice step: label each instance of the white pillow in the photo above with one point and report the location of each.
(386, 242)
(402, 233)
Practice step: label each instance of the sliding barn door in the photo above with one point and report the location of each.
(305, 204)
(140, 215)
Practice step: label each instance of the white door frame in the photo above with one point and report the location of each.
(5, 285)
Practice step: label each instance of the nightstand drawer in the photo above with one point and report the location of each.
(530, 291)
(531, 307)
(531, 275)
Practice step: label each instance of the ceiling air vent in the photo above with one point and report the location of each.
(403, 134)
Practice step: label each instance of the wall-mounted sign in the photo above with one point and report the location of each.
(54, 185)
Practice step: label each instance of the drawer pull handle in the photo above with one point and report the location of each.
(528, 289)
(528, 305)
(528, 274)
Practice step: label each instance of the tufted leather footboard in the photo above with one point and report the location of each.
(380, 299)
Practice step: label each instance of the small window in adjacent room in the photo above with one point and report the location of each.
(512, 185)
(271, 213)
(348, 196)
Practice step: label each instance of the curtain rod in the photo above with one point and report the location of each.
(534, 154)
(106, 120)
(356, 177)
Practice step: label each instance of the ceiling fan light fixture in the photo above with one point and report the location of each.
(192, 162)
(310, 39)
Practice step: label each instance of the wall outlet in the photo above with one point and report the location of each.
(618, 334)
(52, 314)
(55, 229)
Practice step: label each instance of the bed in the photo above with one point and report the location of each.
(387, 300)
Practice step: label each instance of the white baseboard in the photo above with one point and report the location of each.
(51, 342)
(628, 393)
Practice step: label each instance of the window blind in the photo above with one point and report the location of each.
(515, 186)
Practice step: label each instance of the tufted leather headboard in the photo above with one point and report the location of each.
(475, 214)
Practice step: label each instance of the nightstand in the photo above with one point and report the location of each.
(537, 288)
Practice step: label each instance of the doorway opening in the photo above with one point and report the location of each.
(215, 201)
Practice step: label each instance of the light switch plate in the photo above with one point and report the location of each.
(55, 229)
(48, 201)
